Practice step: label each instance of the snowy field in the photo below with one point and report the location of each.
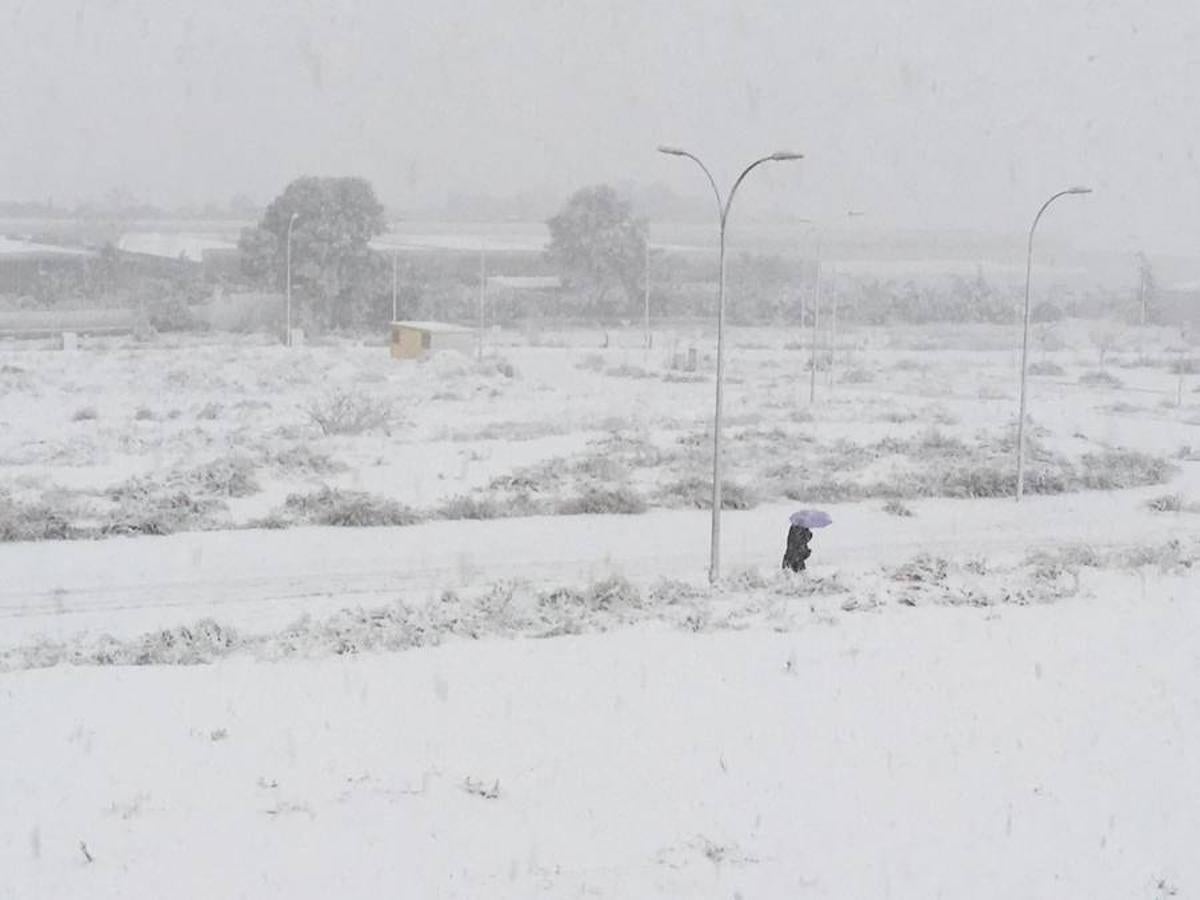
(318, 623)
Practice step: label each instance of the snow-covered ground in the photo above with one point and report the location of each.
(1022, 727)
(1034, 752)
(78, 427)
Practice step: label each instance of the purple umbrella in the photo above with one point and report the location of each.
(810, 518)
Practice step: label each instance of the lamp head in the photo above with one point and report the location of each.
(1079, 189)
(785, 156)
(671, 151)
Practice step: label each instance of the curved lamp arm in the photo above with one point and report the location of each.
(722, 207)
(1045, 206)
(746, 171)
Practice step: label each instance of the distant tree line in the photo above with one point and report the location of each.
(597, 248)
(161, 289)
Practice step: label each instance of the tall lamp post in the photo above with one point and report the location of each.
(1025, 338)
(714, 559)
(291, 222)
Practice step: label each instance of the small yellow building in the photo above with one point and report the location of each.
(413, 340)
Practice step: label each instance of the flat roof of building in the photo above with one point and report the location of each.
(525, 282)
(432, 327)
(169, 245)
(18, 249)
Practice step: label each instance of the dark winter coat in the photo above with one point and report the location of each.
(797, 548)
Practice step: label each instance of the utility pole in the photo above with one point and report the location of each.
(646, 323)
(812, 384)
(482, 295)
(288, 276)
(833, 324)
(394, 285)
(832, 333)
(1182, 364)
(1142, 264)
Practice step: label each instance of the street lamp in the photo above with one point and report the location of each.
(1025, 338)
(714, 567)
(291, 222)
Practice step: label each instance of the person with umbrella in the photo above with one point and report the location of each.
(799, 534)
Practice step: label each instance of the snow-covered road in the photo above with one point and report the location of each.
(263, 579)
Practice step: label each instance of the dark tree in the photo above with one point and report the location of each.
(598, 248)
(769, 289)
(335, 275)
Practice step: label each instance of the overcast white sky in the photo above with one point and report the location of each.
(928, 113)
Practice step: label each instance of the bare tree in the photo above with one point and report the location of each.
(1106, 337)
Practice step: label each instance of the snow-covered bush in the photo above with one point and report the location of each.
(601, 501)
(348, 509)
(343, 412)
